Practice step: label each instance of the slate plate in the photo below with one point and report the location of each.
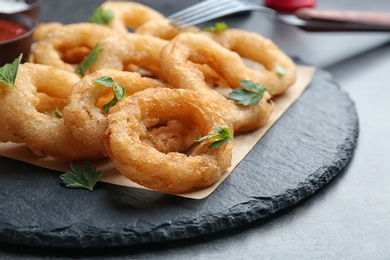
(302, 152)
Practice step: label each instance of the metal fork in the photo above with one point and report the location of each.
(208, 10)
(211, 9)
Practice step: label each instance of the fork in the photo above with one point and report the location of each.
(305, 18)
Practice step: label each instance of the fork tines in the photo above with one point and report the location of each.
(208, 10)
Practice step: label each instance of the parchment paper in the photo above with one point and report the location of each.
(242, 144)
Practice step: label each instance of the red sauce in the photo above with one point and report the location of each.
(10, 30)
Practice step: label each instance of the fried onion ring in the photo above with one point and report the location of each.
(202, 49)
(255, 47)
(141, 53)
(55, 49)
(166, 172)
(120, 51)
(248, 45)
(42, 133)
(163, 29)
(83, 113)
(44, 29)
(130, 15)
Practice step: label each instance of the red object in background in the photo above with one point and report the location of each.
(289, 5)
(10, 30)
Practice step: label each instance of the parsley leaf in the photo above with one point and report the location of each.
(57, 113)
(279, 70)
(218, 26)
(219, 139)
(251, 94)
(119, 92)
(89, 60)
(81, 178)
(9, 71)
(100, 16)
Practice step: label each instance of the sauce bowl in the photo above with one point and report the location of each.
(12, 48)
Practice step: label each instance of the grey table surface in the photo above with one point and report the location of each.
(348, 218)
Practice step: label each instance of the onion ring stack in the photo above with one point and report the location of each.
(141, 53)
(83, 114)
(181, 74)
(248, 45)
(42, 133)
(168, 79)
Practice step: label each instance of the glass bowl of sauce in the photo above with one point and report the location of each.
(16, 31)
(18, 20)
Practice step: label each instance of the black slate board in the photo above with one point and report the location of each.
(312, 142)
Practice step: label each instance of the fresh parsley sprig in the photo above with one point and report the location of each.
(218, 26)
(101, 16)
(223, 136)
(251, 94)
(81, 178)
(9, 71)
(119, 92)
(88, 60)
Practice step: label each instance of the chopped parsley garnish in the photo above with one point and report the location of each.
(90, 59)
(119, 92)
(251, 94)
(57, 113)
(223, 136)
(218, 26)
(279, 70)
(9, 71)
(81, 178)
(100, 16)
